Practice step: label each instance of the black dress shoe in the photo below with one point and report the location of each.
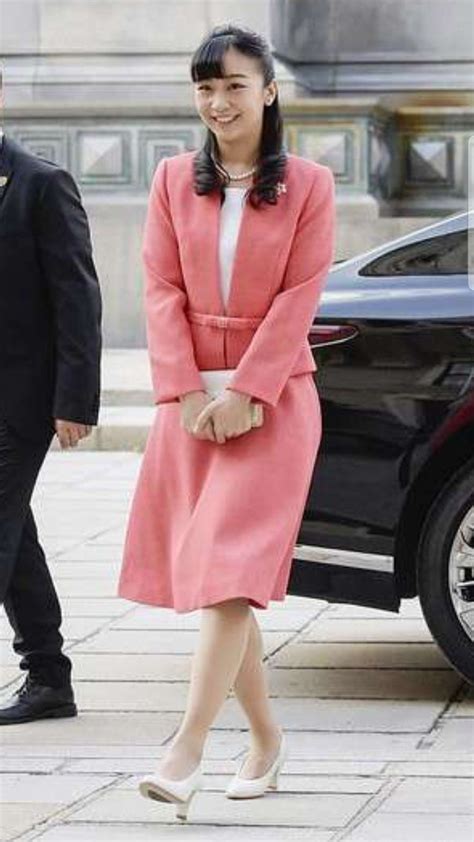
(37, 701)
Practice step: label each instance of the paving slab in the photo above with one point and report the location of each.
(431, 768)
(144, 743)
(41, 765)
(79, 586)
(337, 769)
(409, 608)
(161, 641)
(19, 818)
(413, 827)
(367, 630)
(276, 808)
(95, 607)
(9, 674)
(452, 738)
(121, 666)
(358, 715)
(440, 795)
(93, 728)
(287, 783)
(90, 552)
(356, 683)
(381, 655)
(131, 696)
(31, 788)
(71, 628)
(87, 569)
(114, 832)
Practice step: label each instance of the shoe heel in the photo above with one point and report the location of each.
(273, 783)
(64, 710)
(182, 808)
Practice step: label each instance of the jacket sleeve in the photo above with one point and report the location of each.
(173, 366)
(267, 363)
(65, 254)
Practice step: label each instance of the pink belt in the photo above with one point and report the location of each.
(235, 322)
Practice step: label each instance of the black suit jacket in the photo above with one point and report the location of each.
(50, 301)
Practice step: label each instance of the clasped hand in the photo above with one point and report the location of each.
(224, 417)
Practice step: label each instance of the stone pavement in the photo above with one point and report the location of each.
(379, 726)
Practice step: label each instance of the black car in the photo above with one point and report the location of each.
(393, 485)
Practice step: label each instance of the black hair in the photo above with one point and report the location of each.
(207, 62)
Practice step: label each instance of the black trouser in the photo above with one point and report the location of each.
(26, 586)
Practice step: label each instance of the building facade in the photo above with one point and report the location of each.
(379, 90)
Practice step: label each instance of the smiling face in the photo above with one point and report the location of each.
(232, 107)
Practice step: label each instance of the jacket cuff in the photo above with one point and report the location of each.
(165, 394)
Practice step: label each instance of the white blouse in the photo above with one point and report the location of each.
(230, 218)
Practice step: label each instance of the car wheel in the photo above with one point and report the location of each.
(445, 571)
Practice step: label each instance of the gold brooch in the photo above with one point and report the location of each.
(280, 187)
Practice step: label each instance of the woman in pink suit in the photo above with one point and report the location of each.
(238, 242)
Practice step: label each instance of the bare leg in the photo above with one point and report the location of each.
(221, 647)
(250, 688)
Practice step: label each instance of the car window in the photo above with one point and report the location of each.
(441, 255)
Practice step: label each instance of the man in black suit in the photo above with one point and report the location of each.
(50, 346)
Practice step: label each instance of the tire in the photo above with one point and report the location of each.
(444, 533)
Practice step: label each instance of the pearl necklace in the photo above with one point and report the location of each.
(243, 175)
(240, 177)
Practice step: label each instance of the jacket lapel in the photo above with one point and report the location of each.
(6, 168)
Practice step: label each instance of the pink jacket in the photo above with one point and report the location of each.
(282, 258)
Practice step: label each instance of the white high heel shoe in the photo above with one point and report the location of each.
(179, 792)
(253, 787)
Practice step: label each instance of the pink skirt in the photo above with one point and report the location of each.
(210, 522)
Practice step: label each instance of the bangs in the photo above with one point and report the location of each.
(207, 61)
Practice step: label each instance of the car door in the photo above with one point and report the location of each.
(405, 358)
